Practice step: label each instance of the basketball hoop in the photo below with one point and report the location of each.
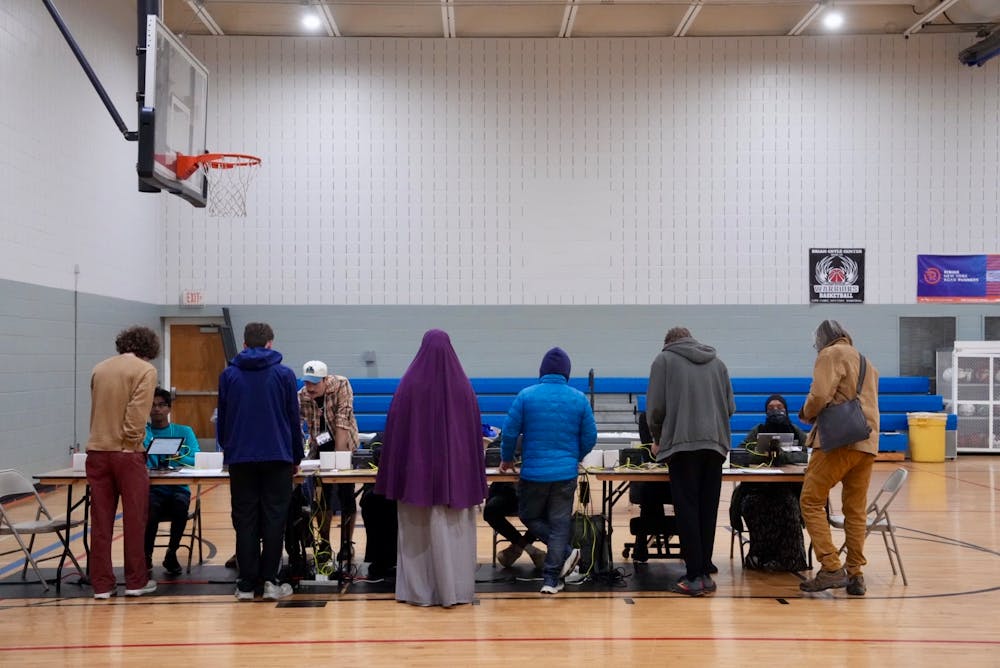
(228, 175)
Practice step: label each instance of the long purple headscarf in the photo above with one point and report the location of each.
(433, 445)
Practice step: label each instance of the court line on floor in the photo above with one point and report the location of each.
(798, 641)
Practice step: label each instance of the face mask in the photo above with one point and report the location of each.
(777, 415)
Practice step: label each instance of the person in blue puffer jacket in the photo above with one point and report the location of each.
(557, 428)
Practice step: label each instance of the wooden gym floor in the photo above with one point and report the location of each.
(949, 538)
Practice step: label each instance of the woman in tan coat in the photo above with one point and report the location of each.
(835, 380)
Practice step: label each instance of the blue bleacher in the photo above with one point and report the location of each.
(898, 395)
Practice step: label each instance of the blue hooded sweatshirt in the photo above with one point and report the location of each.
(258, 417)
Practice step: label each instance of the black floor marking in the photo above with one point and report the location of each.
(629, 601)
(302, 604)
(782, 601)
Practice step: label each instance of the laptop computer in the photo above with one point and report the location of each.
(785, 441)
(164, 447)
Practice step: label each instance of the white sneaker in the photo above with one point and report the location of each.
(105, 595)
(244, 595)
(148, 589)
(550, 589)
(570, 563)
(273, 592)
(576, 577)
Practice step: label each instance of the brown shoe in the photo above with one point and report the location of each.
(856, 585)
(825, 580)
(507, 556)
(231, 563)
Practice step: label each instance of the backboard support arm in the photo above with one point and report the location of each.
(130, 135)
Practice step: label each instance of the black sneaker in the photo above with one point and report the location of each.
(641, 551)
(171, 565)
(856, 585)
(346, 552)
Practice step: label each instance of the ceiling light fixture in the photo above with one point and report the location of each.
(310, 21)
(833, 19)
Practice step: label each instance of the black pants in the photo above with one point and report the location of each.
(695, 483)
(339, 496)
(381, 528)
(260, 493)
(501, 504)
(166, 504)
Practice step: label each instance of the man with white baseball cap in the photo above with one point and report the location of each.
(326, 404)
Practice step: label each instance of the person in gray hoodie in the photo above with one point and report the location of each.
(688, 405)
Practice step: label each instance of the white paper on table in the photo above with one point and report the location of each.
(196, 472)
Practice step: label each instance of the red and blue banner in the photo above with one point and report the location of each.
(958, 278)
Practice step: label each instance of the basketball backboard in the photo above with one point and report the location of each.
(173, 116)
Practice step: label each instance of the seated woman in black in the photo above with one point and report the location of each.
(771, 510)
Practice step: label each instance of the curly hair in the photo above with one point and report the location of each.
(138, 340)
(257, 334)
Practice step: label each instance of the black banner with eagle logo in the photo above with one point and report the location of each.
(837, 275)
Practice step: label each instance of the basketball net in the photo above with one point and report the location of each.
(229, 177)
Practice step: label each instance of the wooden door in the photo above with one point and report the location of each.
(196, 360)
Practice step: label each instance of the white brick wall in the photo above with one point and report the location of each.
(67, 176)
(598, 171)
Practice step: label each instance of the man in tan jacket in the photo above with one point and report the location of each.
(121, 394)
(835, 380)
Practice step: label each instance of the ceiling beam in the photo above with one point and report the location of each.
(806, 20)
(688, 20)
(326, 16)
(198, 7)
(569, 18)
(448, 18)
(929, 16)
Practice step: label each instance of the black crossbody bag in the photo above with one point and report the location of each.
(843, 424)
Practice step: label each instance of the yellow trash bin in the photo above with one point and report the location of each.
(926, 436)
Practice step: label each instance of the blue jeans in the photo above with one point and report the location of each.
(546, 508)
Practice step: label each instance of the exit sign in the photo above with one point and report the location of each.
(192, 298)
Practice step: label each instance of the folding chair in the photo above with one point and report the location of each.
(192, 532)
(738, 531)
(878, 519)
(13, 483)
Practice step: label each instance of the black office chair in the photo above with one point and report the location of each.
(655, 530)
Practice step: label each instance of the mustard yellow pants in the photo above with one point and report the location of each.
(853, 469)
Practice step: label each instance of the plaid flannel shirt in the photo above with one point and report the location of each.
(338, 409)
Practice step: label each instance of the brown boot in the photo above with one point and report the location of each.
(856, 585)
(825, 580)
(507, 556)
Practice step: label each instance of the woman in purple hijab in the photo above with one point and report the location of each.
(432, 465)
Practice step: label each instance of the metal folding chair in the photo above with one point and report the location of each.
(192, 532)
(879, 520)
(13, 483)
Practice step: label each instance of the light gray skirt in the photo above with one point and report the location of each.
(436, 557)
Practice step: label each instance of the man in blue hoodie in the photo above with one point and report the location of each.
(558, 430)
(688, 405)
(259, 432)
